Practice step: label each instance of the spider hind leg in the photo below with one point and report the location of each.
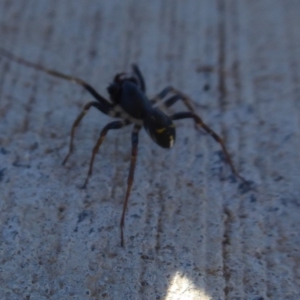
(134, 151)
(217, 138)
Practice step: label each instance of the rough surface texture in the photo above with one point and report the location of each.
(192, 231)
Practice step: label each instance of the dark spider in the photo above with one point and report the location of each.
(128, 101)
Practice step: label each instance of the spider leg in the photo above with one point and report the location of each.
(180, 96)
(140, 77)
(104, 103)
(172, 100)
(198, 121)
(134, 150)
(78, 120)
(109, 126)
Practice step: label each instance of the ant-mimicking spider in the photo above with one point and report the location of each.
(128, 102)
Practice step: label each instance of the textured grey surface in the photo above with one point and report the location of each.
(191, 232)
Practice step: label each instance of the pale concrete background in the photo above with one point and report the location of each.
(191, 231)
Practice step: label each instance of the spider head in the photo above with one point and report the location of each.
(160, 128)
(114, 89)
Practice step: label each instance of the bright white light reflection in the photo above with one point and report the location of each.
(181, 288)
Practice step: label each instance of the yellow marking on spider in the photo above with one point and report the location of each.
(160, 130)
(171, 141)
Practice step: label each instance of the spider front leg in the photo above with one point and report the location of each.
(198, 121)
(112, 125)
(134, 151)
(140, 77)
(178, 96)
(76, 123)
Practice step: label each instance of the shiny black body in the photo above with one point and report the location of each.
(130, 97)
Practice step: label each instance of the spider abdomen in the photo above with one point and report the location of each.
(160, 127)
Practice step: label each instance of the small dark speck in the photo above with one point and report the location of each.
(76, 229)
(232, 178)
(259, 298)
(18, 165)
(278, 178)
(61, 209)
(93, 53)
(14, 234)
(91, 230)
(34, 146)
(3, 151)
(252, 199)
(104, 295)
(144, 283)
(2, 174)
(273, 209)
(205, 69)
(136, 216)
(206, 87)
(250, 109)
(288, 137)
(144, 256)
(82, 216)
(245, 187)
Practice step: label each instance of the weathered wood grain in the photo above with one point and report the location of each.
(192, 231)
